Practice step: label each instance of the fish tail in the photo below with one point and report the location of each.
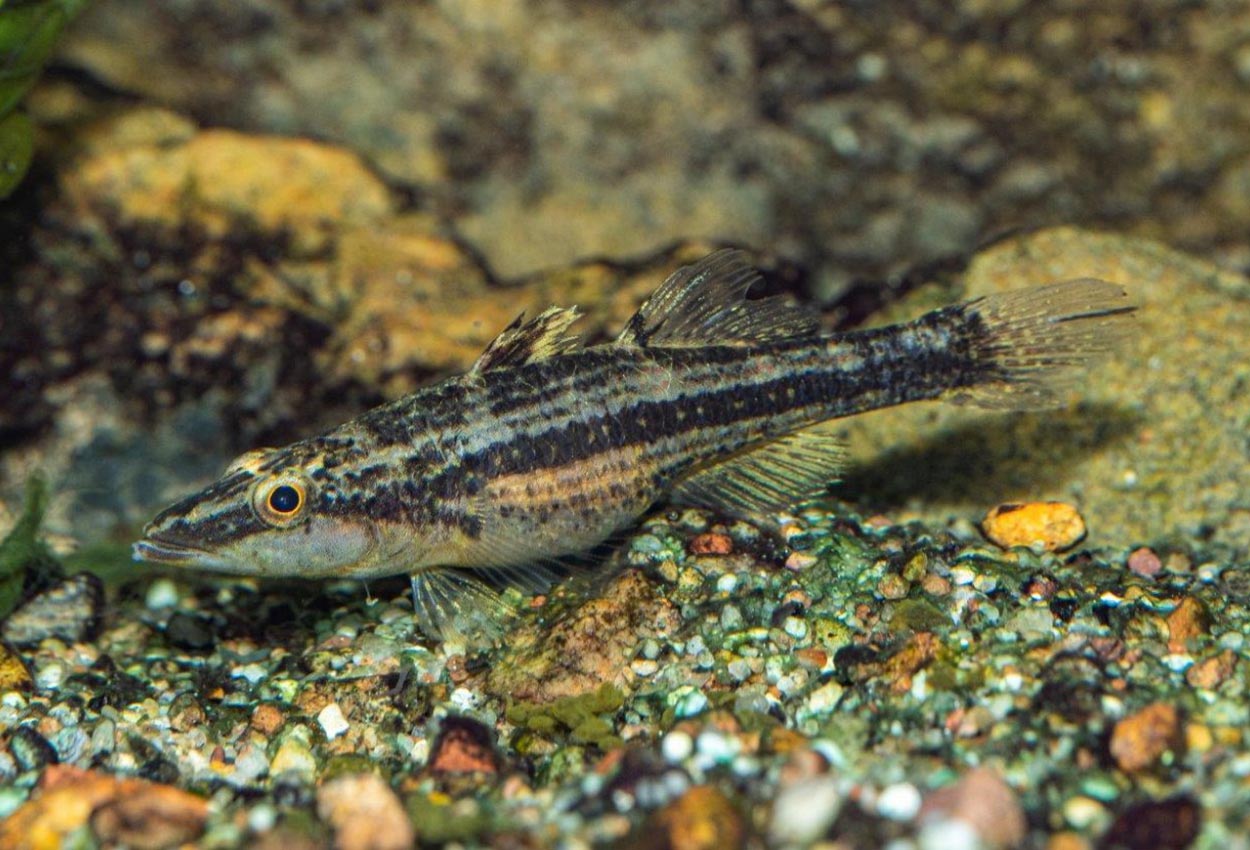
(1030, 346)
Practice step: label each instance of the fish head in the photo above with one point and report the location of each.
(272, 513)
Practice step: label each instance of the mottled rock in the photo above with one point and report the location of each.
(1050, 526)
(69, 611)
(364, 813)
(588, 648)
(1141, 739)
(214, 178)
(552, 131)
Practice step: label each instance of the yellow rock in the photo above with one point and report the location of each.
(13, 673)
(294, 187)
(1051, 526)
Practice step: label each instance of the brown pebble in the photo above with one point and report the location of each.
(1187, 622)
(1051, 526)
(914, 656)
(983, 801)
(936, 585)
(711, 544)
(813, 658)
(1144, 562)
(1212, 672)
(463, 745)
(701, 819)
(365, 814)
(267, 719)
(1139, 740)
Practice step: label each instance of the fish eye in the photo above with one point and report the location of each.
(285, 499)
(280, 502)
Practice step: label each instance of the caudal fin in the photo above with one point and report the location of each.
(1032, 344)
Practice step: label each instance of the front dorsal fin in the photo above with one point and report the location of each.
(768, 477)
(703, 304)
(526, 342)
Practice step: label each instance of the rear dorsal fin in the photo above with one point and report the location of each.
(768, 477)
(526, 342)
(703, 304)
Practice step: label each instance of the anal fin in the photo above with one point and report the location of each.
(768, 477)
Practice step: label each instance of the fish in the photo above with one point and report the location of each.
(546, 447)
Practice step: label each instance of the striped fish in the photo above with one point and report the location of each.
(544, 448)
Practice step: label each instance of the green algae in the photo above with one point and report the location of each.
(439, 819)
(584, 719)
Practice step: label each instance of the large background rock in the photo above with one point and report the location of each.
(859, 139)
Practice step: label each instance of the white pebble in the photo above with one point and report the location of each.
(464, 699)
(899, 802)
(162, 593)
(949, 834)
(804, 811)
(332, 721)
(677, 746)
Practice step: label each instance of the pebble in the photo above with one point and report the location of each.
(464, 745)
(799, 561)
(1049, 526)
(803, 811)
(31, 750)
(332, 721)
(677, 746)
(702, 818)
(294, 755)
(1141, 739)
(949, 835)
(644, 667)
(899, 802)
(162, 593)
(983, 801)
(365, 814)
(687, 701)
(190, 631)
(69, 611)
(712, 544)
(14, 676)
(1084, 813)
(1144, 562)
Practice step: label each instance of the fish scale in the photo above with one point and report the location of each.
(545, 448)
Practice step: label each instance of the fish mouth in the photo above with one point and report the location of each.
(159, 551)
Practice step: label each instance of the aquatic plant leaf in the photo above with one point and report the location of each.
(28, 35)
(21, 548)
(17, 147)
